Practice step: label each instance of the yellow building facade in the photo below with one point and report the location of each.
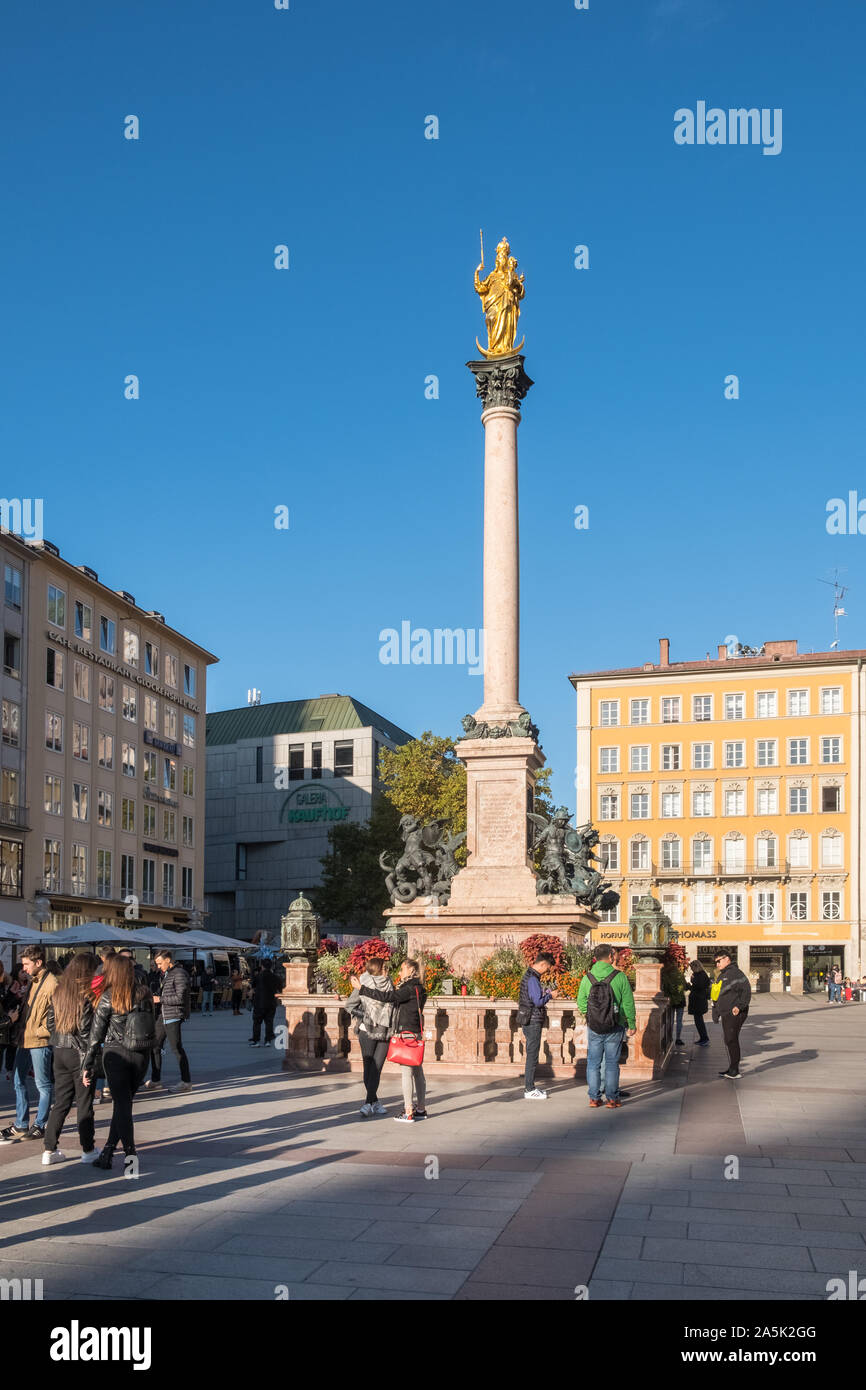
(731, 788)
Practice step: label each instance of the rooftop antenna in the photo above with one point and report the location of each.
(839, 592)
(254, 697)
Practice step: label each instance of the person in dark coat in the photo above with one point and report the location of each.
(70, 1017)
(266, 987)
(698, 989)
(731, 1009)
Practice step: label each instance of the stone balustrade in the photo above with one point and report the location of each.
(466, 1035)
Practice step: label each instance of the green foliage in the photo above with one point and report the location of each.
(329, 972)
(577, 959)
(352, 891)
(424, 778)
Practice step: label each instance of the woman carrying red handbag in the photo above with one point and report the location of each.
(407, 1043)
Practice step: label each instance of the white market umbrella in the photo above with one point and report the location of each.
(9, 932)
(155, 936)
(87, 934)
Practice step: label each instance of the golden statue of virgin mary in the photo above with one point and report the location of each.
(501, 293)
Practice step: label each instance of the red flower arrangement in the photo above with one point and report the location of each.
(535, 945)
(328, 946)
(374, 949)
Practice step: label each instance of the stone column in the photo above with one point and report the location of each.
(796, 958)
(501, 383)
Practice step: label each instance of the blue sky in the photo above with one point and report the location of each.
(306, 387)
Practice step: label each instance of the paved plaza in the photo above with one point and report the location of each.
(260, 1184)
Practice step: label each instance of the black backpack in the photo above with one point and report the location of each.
(601, 1007)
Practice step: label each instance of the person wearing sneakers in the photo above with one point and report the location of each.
(266, 987)
(698, 987)
(374, 1014)
(70, 1016)
(174, 998)
(731, 1009)
(124, 1030)
(606, 1001)
(33, 1051)
(408, 999)
(531, 1003)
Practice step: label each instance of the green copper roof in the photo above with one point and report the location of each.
(326, 714)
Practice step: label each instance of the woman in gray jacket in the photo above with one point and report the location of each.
(374, 1017)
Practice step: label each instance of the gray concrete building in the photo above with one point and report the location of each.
(278, 777)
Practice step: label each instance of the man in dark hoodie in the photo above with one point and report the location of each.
(731, 1009)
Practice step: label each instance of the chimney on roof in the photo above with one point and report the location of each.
(664, 651)
(723, 651)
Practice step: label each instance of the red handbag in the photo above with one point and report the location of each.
(407, 1049)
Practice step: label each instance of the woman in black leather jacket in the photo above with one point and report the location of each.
(70, 1014)
(124, 1022)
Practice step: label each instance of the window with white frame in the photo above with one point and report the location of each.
(188, 780)
(148, 880)
(767, 801)
(52, 864)
(798, 906)
(766, 902)
(80, 801)
(609, 807)
(672, 906)
(831, 799)
(831, 750)
(81, 741)
(639, 711)
(168, 885)
(672, 804)
(670, 757)
(768, 856)
(13, 586)
(831, 905)
(766, 704)
(702, 803)
(639, 855)
(189, 737)
(130, 703)
(169, 774)
(672, 854)
(609, 759)
(106, 692)
(798, 702)
(187, 828)
(103, 808)
(186, 888)
(702, 755)
(127, 815)
(640, 806)
(127, 759)
(78, 869)
(151, 713)
(107, 635)
(831, 851)
(702, 707)
(735, 856)
(798, 751)
(702, 856)
(766, 752)
(103, 873)
(639, 757)
(798, 801)
(735, 753)
(54, 668)
(148, 766)
(56, 606)
(670, 709)
(83, 621)
(169, 722)
(54, 731)
(148, 816)
(609, 714)
(169, 826)
(151, 659)
(735, 706)
(127, 875)
(53, 795)
(81, 680)
(735, 802)
(704, 907)
(130, 647)
(170, 670)
(608, 856)
(831, 699)
(189, 680)
(798, 851)
(106, 750)
(734, 907)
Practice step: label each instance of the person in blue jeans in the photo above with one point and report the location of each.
(34, 1051)
(605, 1046)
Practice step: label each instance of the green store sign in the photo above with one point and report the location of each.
(313, 804)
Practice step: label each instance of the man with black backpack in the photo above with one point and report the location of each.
(606, 1001)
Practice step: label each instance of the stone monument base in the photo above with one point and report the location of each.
(465, 935)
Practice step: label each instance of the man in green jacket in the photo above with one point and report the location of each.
(608, 1019)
